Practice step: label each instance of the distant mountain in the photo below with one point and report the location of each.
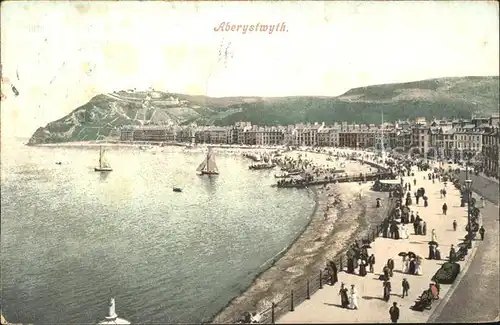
(444, 98)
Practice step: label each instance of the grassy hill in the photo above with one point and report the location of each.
(442, 98)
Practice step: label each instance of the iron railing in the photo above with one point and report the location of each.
(301, 291)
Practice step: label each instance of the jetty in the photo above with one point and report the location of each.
(341, 179)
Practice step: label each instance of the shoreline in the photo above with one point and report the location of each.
(272, 261)
(307, 255)
(266, 265)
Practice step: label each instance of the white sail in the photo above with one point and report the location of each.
(103, 161)
(208, 165)
(212, 166)
(201, 166)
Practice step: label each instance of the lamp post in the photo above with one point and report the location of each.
(468, 184)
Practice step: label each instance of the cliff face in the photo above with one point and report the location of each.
(441, 98)
(103, 114)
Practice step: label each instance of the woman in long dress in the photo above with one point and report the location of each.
(412, 267)
(344, 299)
(403, 264)
(433, 235)
(437, 254)
(334, 271)
(362, 268)
(353, 299)
(431, 252)
(418, 267)
(387, 290)
(350, 266)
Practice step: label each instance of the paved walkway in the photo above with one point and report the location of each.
(323, 307)
(475, 298)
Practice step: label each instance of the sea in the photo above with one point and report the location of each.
(72, 238)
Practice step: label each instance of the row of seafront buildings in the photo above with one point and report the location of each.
(478, 136)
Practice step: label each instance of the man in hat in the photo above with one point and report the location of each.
(445, 208)
(481, 232)
(406, 287)
(453, 255)
(394, 312)
(390, 265)
(454, 225)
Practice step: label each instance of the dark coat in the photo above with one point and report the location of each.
(394, 312)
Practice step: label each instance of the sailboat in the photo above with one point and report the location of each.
(103, 163)
(208, 166)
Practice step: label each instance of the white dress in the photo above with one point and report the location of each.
(353, 300)
(418, 269)
(404, 232)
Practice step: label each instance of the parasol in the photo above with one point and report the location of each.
(433, 243)
(403, 254)
(366, 246)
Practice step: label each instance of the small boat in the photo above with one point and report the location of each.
(58, 163)
(177, 189)
(104, 166)
(261, 166)
(208, 166)
(282, 175)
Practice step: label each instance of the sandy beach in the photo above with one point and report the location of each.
(348, 217)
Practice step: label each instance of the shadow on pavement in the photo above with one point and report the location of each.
(371, 298)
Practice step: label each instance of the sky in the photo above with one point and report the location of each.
(61, 54)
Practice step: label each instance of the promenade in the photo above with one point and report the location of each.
(475, 298)
(324, 305)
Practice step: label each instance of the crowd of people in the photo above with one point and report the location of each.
(395, 226)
